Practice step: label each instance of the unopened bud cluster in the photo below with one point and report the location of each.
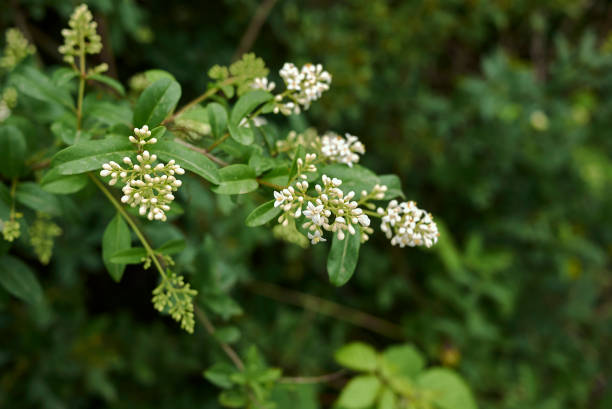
(325, 209)
(176, 297)
(7, 102)
(42, 234)
(146, 185)
(81, 38)
(17, 48)
(11, 229)
(407, 225)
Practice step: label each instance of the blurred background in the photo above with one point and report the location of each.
(495, 114)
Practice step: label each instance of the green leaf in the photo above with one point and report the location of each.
(12, 151)
(343, 256)
(357, 356)
(359, 392)
(219, 374)
(111, 82)
(171, 247)
(64, 131)
(247, 104)
(55, 182)
(262, 214)
(449, 389)
(132, 255)
(18, 279)
(404, 359)
(277, 176)
(233, 398)
(241, 134)
(156, 74)
(228, 335)
(90, 155)
(387, 399)
(394, 186)
(261, 163)
(217, 117)
(300, 153)
(35, 84)
(31, 195)
(186, 158)
(116, 237)
(236, 180)
(156, 102)
(108, 113)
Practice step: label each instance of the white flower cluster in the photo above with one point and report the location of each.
(304, 86)
(341, 150)
(263, 83)
(331, 147)
(407, 225)
(327, 209)
(147, 185)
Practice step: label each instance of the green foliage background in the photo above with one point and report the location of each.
(517, 296)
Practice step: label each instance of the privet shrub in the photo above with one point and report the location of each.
(73, 129)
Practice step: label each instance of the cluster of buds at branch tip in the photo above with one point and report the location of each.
(141, 137)
(81, 38)
(331, 147)
(304, 86)
(341, 150)
(407, 225)
(146, 185)
(325, 209)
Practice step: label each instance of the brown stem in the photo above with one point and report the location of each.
(329, 308)
(212, 91)
(252, 31)
(229, 351)
(218, 142)
(203, 151)
(272, 185)
(314, 379)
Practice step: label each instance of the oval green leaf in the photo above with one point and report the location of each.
(12, 151)
(359, 392)
(116, 237)
(90, 155)
(343, 256)
(217, 117)
(357, 356)
(186, 158)
(31, 195)
(133, 255)
(262, 214)
(54, 182)
(449, 390)
(156, 102)
(18, 279)
(247, 104)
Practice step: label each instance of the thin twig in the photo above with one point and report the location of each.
(203, 151)
(229, 351)
(218, 142)
(329, 308)
(314, 379)
(252, 31)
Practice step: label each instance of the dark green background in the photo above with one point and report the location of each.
(441, 93)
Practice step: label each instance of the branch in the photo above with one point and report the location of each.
(329, 308)
(203, 151)
(252, 31)
(229, 351)
(314, 379)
